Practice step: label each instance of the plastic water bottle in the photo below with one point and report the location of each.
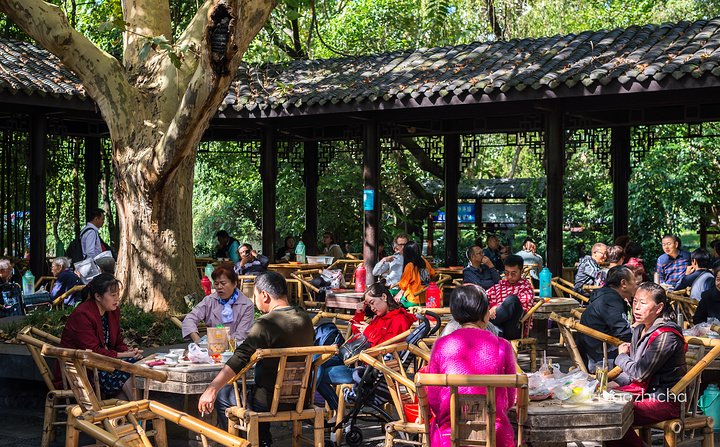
(433, 296)
(209, 269)
(206, 285)
(360, 278)
(28, 283)
(300, 252)
(545, 278)
(710, 404)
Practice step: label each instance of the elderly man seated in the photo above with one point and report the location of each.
(391, 267)
(608, 313)
(250, 263)
(588, 271)
(480, 269)
(11, 293)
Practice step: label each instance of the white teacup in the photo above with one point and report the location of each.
(171, 359)
(180, 353)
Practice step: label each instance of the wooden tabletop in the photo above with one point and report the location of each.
(554, 421)
(184, 378)
(286, 268)
(343, 298)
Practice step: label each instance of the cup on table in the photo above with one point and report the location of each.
(171, 359)
(180, 353)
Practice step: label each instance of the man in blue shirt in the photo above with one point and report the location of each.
(480, 270)
(697, 275)
(672, 265)
(495, 252)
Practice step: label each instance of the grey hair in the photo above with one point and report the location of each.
(62, 262)
(4, 263)
(273, 283)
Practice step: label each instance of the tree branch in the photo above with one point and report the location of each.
(230, 27)
(426, 164)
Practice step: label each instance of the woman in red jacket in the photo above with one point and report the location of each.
(95, 325)
(390, 319)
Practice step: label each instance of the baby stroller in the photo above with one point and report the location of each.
(370, 390)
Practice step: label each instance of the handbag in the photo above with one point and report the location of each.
(354, 346)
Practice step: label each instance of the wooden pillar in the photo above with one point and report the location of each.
(268, 174)
(38, 193)
(92, 174)
(452, 180)
(620, 159)
(311, 185)
(371, 197)
(555, 171)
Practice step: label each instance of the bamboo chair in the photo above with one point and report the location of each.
(527, 344)
(295, 384)
(178, 319)
(590, 288)
(74, 363)
(682, 431)
(246, 284)
(305, 276)
(564, 288)
(402, 390)
(132, 434)
(684, 305)
(348, 267)
(473, 415)
(50, 280)
(334, 318)
(61, 299)
(57, 400)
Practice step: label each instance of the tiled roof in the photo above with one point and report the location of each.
(623, 56)
(25, 67)
(494, 188)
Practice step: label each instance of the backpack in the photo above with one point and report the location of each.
(328, 334)
(74, 251)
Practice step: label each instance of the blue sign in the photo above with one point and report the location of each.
(466, 214)
(369, 199)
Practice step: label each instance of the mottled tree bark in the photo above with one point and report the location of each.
(156, 115)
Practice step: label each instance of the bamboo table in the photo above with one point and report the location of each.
(553, 423)
(455, 272)
(561, 306)
(190, 380)
(286, 269)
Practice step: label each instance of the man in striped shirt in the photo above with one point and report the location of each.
(672, 265)
(510, 299)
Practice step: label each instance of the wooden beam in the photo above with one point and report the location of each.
(38, 193)
(555, 172)
(311, 184)
(371, 196)
(268, 173)
(452, 180)
(620, 158)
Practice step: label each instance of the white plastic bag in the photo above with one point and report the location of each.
(334, 277)
(196, 354)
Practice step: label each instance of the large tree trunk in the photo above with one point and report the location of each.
(156, 114)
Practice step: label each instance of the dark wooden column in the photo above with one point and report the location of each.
(268, 174)
(38, 193)
(555, 171)
(452, 179)
(371, 196)
(311, 185)
(92, 173)
(620, 159)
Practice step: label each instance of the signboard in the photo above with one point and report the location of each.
(369, 199)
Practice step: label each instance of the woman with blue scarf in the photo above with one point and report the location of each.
(226, 306)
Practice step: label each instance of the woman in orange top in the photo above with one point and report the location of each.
(416, 275)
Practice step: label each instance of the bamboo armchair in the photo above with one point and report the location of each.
(684, 305)
(178, 319)
(564, 287)
(74, 363)
(50, 280)
(675, 431)
(295, 385)
(305, 276)
(473, 415)
(61, 299)
(57, 400)
(132, 434)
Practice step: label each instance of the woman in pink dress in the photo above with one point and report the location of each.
(470, 350)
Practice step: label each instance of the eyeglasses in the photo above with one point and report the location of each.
(512, 273)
